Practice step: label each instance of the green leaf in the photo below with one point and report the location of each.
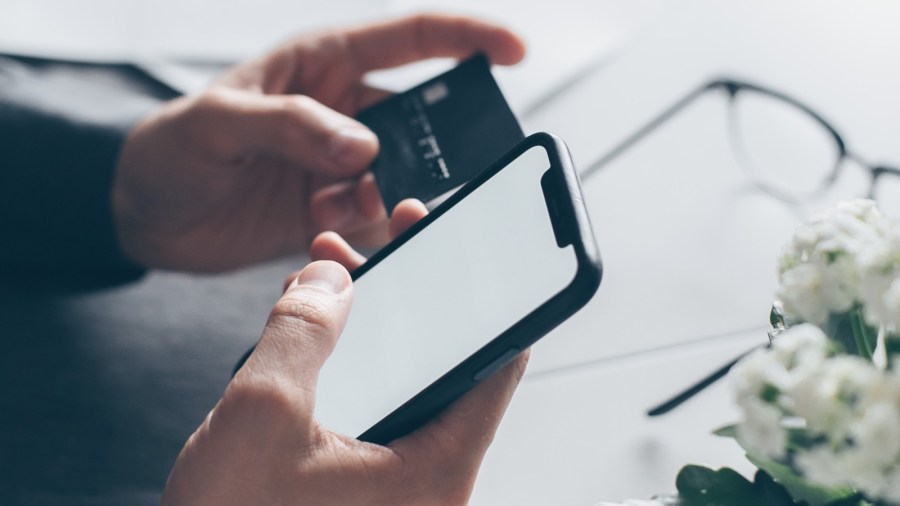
(769, 393)
(799, 488)
(729, 431)
(802, 439)
(771, 492)
(891, 347)
(833, 256)
(865, 336)
(840, 329)
(701, 486)
(851, 500)
(693, 481)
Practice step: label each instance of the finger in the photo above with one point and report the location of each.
(369, 95)
(301, 332)
(406, 214)
(331, 246)
(349, 207)
(454, 444)
(236, 124)
(290, 279)
(406, 40)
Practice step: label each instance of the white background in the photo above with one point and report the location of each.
(689, 244)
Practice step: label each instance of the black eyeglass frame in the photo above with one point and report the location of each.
(732, 88)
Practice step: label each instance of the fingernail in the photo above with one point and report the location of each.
(353, 146)
(329, 276)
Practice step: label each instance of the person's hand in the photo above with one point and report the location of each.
(269, 156)
(261, 444)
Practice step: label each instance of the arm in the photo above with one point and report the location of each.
(62, 125)
(250, 170)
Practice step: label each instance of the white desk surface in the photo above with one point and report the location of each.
(689, 244)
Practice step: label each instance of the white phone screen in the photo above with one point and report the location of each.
(452, 288)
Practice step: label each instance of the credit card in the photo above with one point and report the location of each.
(440, 134)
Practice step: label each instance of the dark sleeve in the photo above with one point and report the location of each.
(61, 127)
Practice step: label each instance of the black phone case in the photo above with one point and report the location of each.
(562, 180)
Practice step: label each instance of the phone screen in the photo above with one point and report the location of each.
(452, 288)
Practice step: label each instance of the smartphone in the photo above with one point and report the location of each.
(498, 265)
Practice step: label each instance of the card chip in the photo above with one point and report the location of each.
(435, 93)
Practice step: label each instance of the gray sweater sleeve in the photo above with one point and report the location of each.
(61, 127)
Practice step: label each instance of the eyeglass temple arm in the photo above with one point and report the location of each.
(649, 127)
(698, 387)
(881, 169)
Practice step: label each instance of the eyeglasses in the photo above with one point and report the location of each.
(787, 150)
(778, 320)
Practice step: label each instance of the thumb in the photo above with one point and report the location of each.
(301, 332)
(448, 450)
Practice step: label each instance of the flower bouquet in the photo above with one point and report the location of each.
(820, 405)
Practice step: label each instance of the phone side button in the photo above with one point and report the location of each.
(496, 364)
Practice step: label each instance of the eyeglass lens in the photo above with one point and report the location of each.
(782, 148)
(887, 193)
(789, 152)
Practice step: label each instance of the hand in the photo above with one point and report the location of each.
(262, 445)
(269, 156)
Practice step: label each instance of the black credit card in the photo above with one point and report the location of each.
(440, 134)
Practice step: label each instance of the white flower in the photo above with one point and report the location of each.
(819, 269)
(864, 210)
(847, 408)
(841, 467)
(879, 274)
(863, 472)
(815, 402)
(802, 345)
(799, 348)
(875, 434)
(760, 432)
(752, 375)
(891, 489)
(858, 410)
(891, 299)
(811, 291)
(835, 418)
(760, 381)
(829, 396)
(822, 465)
